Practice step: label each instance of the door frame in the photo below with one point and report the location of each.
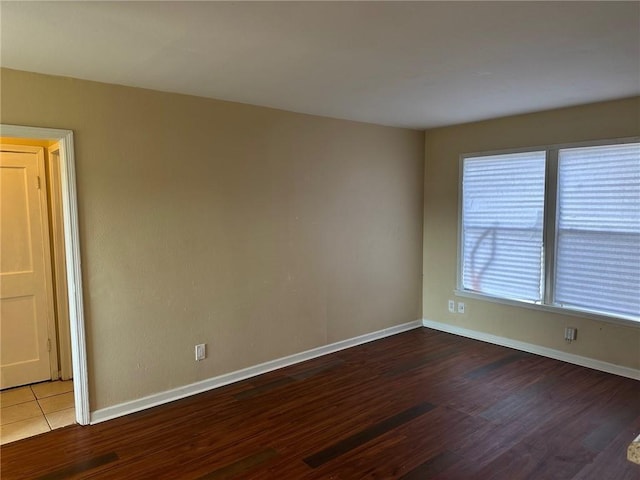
(72, 256)
(63, 330)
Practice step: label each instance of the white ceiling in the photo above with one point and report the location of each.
(410, 64)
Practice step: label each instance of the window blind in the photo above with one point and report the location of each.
(598, 229)
(502, 225)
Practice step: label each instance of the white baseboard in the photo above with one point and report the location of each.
(154, 400)
(537, 349)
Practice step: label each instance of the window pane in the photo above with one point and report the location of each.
(598, 229)
(502, 224)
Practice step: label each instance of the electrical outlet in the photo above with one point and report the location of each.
(460, 307)
(570, 334)
(201, 351)
(452, 306)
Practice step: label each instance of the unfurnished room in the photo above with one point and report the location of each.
(320, 240)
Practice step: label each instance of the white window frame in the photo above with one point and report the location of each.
(549, 234)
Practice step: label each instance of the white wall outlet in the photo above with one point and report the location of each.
(452, 306)
(570, 334)
(460, 307)
(201, 351)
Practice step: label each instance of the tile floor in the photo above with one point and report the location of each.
(33, 409)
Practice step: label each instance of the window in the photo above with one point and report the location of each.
(502, 225)
(556, 227)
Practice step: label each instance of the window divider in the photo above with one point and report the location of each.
(550, 222)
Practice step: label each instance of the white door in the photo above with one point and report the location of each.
(26, 300)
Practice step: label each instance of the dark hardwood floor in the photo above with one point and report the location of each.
(418, 405)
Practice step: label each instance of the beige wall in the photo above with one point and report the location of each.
(259, 232)
(598, 340)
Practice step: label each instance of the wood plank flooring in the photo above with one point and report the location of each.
(418, 405)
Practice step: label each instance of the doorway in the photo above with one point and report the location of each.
(63, 161)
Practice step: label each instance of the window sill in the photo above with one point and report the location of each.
(624, 321)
